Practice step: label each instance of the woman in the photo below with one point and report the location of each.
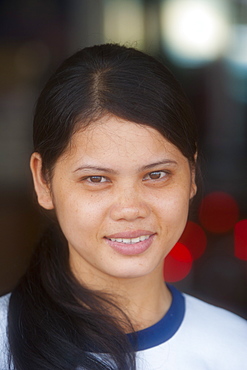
(114, 161)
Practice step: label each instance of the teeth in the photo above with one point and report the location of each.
(132, 240)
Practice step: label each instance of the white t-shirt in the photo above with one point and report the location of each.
(193, 335)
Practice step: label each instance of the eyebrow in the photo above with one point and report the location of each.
(110, 170)
(94, 168)
(151, 165)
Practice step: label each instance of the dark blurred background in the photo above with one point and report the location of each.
(204, 42)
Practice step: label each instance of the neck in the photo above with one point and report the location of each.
(145, 300)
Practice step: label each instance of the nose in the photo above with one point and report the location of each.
(129, 205)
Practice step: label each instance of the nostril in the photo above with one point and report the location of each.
(129, 213)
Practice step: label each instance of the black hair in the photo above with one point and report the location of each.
(54, 321)
(111, 79)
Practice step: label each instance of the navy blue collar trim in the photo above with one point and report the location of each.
(163, 330)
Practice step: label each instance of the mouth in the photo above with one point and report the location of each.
(131, 243)
(130, 240)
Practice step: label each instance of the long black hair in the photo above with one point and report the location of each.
(55, 322)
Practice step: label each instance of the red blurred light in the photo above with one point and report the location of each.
(178, 263)
(218, 212)
(194, 238)
(240, 240)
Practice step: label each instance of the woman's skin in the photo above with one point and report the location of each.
(121, 194)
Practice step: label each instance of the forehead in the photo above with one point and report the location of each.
(114, 138)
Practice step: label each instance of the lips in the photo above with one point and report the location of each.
(130, 234)
(130, 242)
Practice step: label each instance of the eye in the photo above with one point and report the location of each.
(155, 175)
(96, 179)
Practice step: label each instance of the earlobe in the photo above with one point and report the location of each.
(193, 188)
(41, 186)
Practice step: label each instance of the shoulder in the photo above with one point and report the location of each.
(211, 317)
(195, 335)
(4, 304)
(215, 331)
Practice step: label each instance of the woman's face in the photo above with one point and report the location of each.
(121, 194)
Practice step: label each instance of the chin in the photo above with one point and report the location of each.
(133, 272)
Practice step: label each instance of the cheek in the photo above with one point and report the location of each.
(173, 212)
(77, 215)
(181, 206)
(174, 201)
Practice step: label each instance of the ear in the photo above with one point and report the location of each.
(41, 186)
(193, 188)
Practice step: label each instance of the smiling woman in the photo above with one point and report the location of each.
(129, 176)
(115, 159)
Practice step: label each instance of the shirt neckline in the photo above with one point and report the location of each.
(164, 329)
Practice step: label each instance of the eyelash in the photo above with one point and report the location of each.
(161, 175)
(89, 179)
